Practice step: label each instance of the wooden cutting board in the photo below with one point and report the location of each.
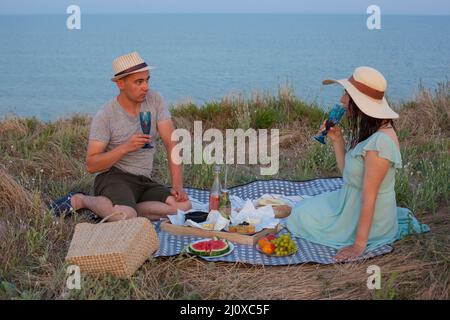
(232, 236)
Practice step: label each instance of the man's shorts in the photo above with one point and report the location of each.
(127, 189)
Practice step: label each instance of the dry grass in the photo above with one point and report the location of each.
(39, 161)
(427, 116)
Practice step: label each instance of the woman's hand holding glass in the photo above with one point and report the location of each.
(335, 115)
(334, 133)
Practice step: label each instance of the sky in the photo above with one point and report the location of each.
(417, 7)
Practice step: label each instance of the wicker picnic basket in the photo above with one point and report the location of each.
(118, 248)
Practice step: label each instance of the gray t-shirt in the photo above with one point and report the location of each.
(112, 125)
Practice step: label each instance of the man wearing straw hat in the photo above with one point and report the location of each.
(116, 154)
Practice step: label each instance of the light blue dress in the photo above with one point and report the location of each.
(332, 218)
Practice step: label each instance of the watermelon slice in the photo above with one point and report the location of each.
(210, 248)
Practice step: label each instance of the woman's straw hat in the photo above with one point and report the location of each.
(128, 64)
(367, 87)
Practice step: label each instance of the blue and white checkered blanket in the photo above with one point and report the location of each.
(171, 245)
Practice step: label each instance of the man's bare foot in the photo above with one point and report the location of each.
(76, 201)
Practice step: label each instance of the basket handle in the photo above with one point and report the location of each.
(113, 215)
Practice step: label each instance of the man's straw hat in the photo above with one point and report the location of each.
(128, 64)
(367, 87)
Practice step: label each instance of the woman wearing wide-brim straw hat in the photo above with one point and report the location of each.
(363, 214)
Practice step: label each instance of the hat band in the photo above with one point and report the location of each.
(136, 67)
(368, 91)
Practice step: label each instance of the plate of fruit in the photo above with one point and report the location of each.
(210, 248)
(277, 246)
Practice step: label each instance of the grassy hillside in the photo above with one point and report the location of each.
(40, 161)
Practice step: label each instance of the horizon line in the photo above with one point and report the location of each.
(227, 13)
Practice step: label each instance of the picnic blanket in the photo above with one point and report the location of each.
(171, 245)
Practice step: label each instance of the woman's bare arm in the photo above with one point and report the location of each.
(335, 135)
(375, 169)
(339, 152)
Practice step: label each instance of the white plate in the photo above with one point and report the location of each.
(230, 245)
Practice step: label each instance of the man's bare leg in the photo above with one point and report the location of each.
(154, 210)
(101, 206)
